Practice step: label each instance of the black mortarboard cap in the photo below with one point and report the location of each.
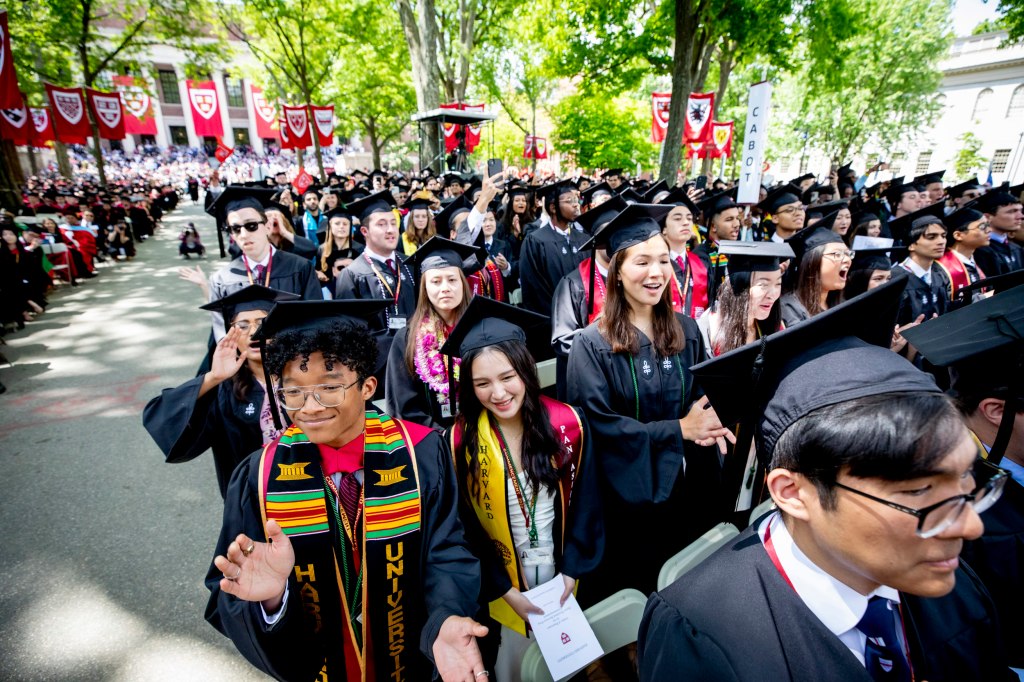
(896, 191)
(381, 202)
(872, 191)
(901, 227)
(556, 189)
(819, 188)
(805, 176)
(487, 322)
(961, 218)
(339, 212)
(236, 197)
(878, 259)
(828, 207)
(779, 197)
(929, 178)
(443, 219)
(746, 257)
(810, 237)
(631, 196)
(439, 252)
(957, 191)
(418, 200)
(678, 197)
(990, 202)
(453, 179)
(994, 285)
(654, 190)
(611, 173)
(839, 355)
(593, 220)
(297, 315)
(600, 188)
(252, 297)
(715, 204)
(633, 225)
(1016, 191)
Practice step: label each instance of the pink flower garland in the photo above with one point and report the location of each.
(431, 366)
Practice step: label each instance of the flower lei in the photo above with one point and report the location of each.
(430, 365)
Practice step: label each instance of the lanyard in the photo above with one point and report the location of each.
(341, 517)
(684, 286)
(529, 513)
(769, 546)
(383, 282)
(266, 277)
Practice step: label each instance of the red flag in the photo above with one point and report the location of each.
(202, 97)
(15, 124)
(137, 106)
(451, 140)
(473, 131)
(302, 182)
(700, 109)
(540, 147)
(721, 139)
(286, 140)
(323, 119)
(266, 113)
(660, 103)
(10, 94)
(69, 119)
(106, 109)
(42, 127)
(528, 147)
(297, 119)
(223, 151)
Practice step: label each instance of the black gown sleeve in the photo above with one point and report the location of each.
(583, 544)
(304, 248)
(287, 650)
(643, 459)
(451, 573)
(178, 420)
(532, 275)
(669, 644)
(405, 395)
(311, 290)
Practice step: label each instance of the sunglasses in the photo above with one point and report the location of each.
(248, 227)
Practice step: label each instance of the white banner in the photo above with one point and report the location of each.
(755, 136)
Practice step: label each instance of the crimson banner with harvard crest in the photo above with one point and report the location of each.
(42, 127)
(265, 113)
(323, 121)
(137, 106)
(70, 121)
(106, 109)
(700, 108)
(297, 120)
(15, 124)
(202, 99)
(660, 103)
(286, 140)
(10, 94)
(721, 138)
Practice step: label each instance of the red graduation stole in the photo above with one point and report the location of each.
(954, 267)
(599, 280)
(690, 296)
(488, 282)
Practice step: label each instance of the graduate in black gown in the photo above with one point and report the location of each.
(721, 217)
(877, 484)
(629, 372)
(243, 210)
(988, 389)
(928, 286)
(418, 387)
(336, 243)
(341, 555)
(380, 272)
(1002, 255)
(551, 252)
(226, 409)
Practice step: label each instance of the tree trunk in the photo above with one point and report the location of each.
(300, 159)
(376, 144)
(420, 28)
(33, 164)
(319, 154)
(63, 162)
(97, 152)
(11, 177)
(685, 27)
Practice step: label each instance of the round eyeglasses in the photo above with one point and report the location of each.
(839, 256)
(934, 519)
(328, 395)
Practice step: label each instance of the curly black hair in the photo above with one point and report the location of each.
(350, 345)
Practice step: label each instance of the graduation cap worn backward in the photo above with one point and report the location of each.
(487, 322)
(380, 202)
(439, 252)
(252, 297)
(839, 355)
(633, 225)
(237, 197)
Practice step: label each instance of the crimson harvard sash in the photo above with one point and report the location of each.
(379, 637)
(599, 280)
(958, 275)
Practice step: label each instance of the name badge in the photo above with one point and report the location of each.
(446, 410)
(396, 322)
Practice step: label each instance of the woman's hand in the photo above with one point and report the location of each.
(258, 571)
(322, 276)
(570, 584)
(226, 357)
(702, 426)
(898, 342)
(521, 605)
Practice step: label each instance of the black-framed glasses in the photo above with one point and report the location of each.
(791, 210)
(248, 227)
(328, 395)
(934, 519)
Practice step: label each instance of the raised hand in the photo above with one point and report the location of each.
(227, 359)
(258, 571)
(456, 653)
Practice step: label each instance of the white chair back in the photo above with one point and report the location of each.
(694, 553)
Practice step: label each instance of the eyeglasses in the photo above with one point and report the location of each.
(984, 227)
(791, 210)
(838, 256)
(246, 327)
(570, 201)
(328, 395)
(936, 518)
(248, 227)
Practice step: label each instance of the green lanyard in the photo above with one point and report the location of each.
(355, 610)
(530, 513)
(636, 387)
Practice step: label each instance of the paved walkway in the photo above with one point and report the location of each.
(105, 546)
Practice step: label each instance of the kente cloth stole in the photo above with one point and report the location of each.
(491, 507)
(293, 492)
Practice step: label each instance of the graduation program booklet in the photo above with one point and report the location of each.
(566, 640)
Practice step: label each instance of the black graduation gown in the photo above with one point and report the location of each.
(351, 252)
(735, 618)
(568, 318)
(291, 650)
(546, 258)
(406, 396)
(652, 509)
(999, 259)
(185, 426)
(505, 248)
(920, 298)
(998, 558)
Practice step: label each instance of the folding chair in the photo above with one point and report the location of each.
(546, 373)
(59, 258)
(516, 297)
(616, 623)
(694, 553)
(760, 510)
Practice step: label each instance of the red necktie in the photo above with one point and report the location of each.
(391, 264)
(259, 274)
